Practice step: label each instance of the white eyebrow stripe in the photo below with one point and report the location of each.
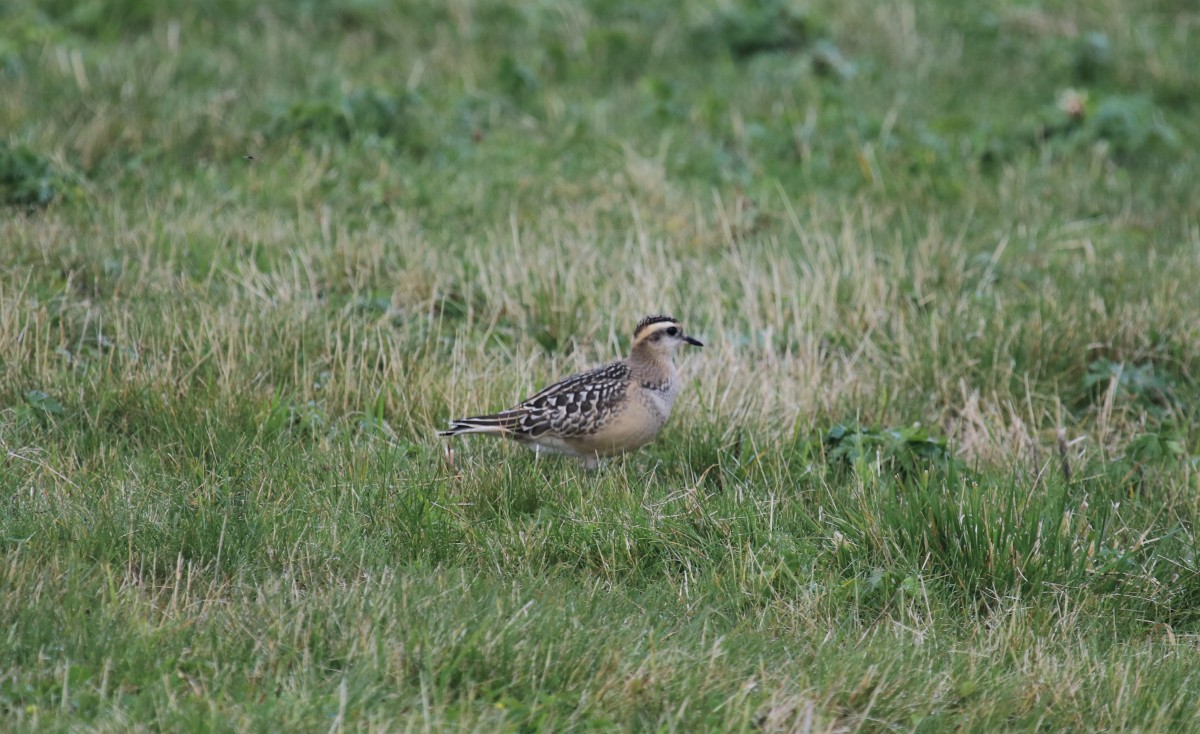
(656, 328)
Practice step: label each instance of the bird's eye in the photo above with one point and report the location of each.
(672, 331)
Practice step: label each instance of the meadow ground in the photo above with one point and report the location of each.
(936, 468)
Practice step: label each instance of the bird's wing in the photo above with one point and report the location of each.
(577, 405)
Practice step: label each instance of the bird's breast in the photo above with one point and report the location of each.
(657, 400)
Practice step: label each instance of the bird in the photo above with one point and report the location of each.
(605, 411)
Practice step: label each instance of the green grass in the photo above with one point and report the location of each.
(935, 470)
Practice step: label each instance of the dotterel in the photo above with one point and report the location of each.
(605, 411)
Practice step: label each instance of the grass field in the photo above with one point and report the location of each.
(937, 468)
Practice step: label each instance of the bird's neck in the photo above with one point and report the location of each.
(651, 367)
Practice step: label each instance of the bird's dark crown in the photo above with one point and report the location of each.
(650, 321)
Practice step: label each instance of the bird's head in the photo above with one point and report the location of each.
(660, 336)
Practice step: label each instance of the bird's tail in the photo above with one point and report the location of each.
(500, 424)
